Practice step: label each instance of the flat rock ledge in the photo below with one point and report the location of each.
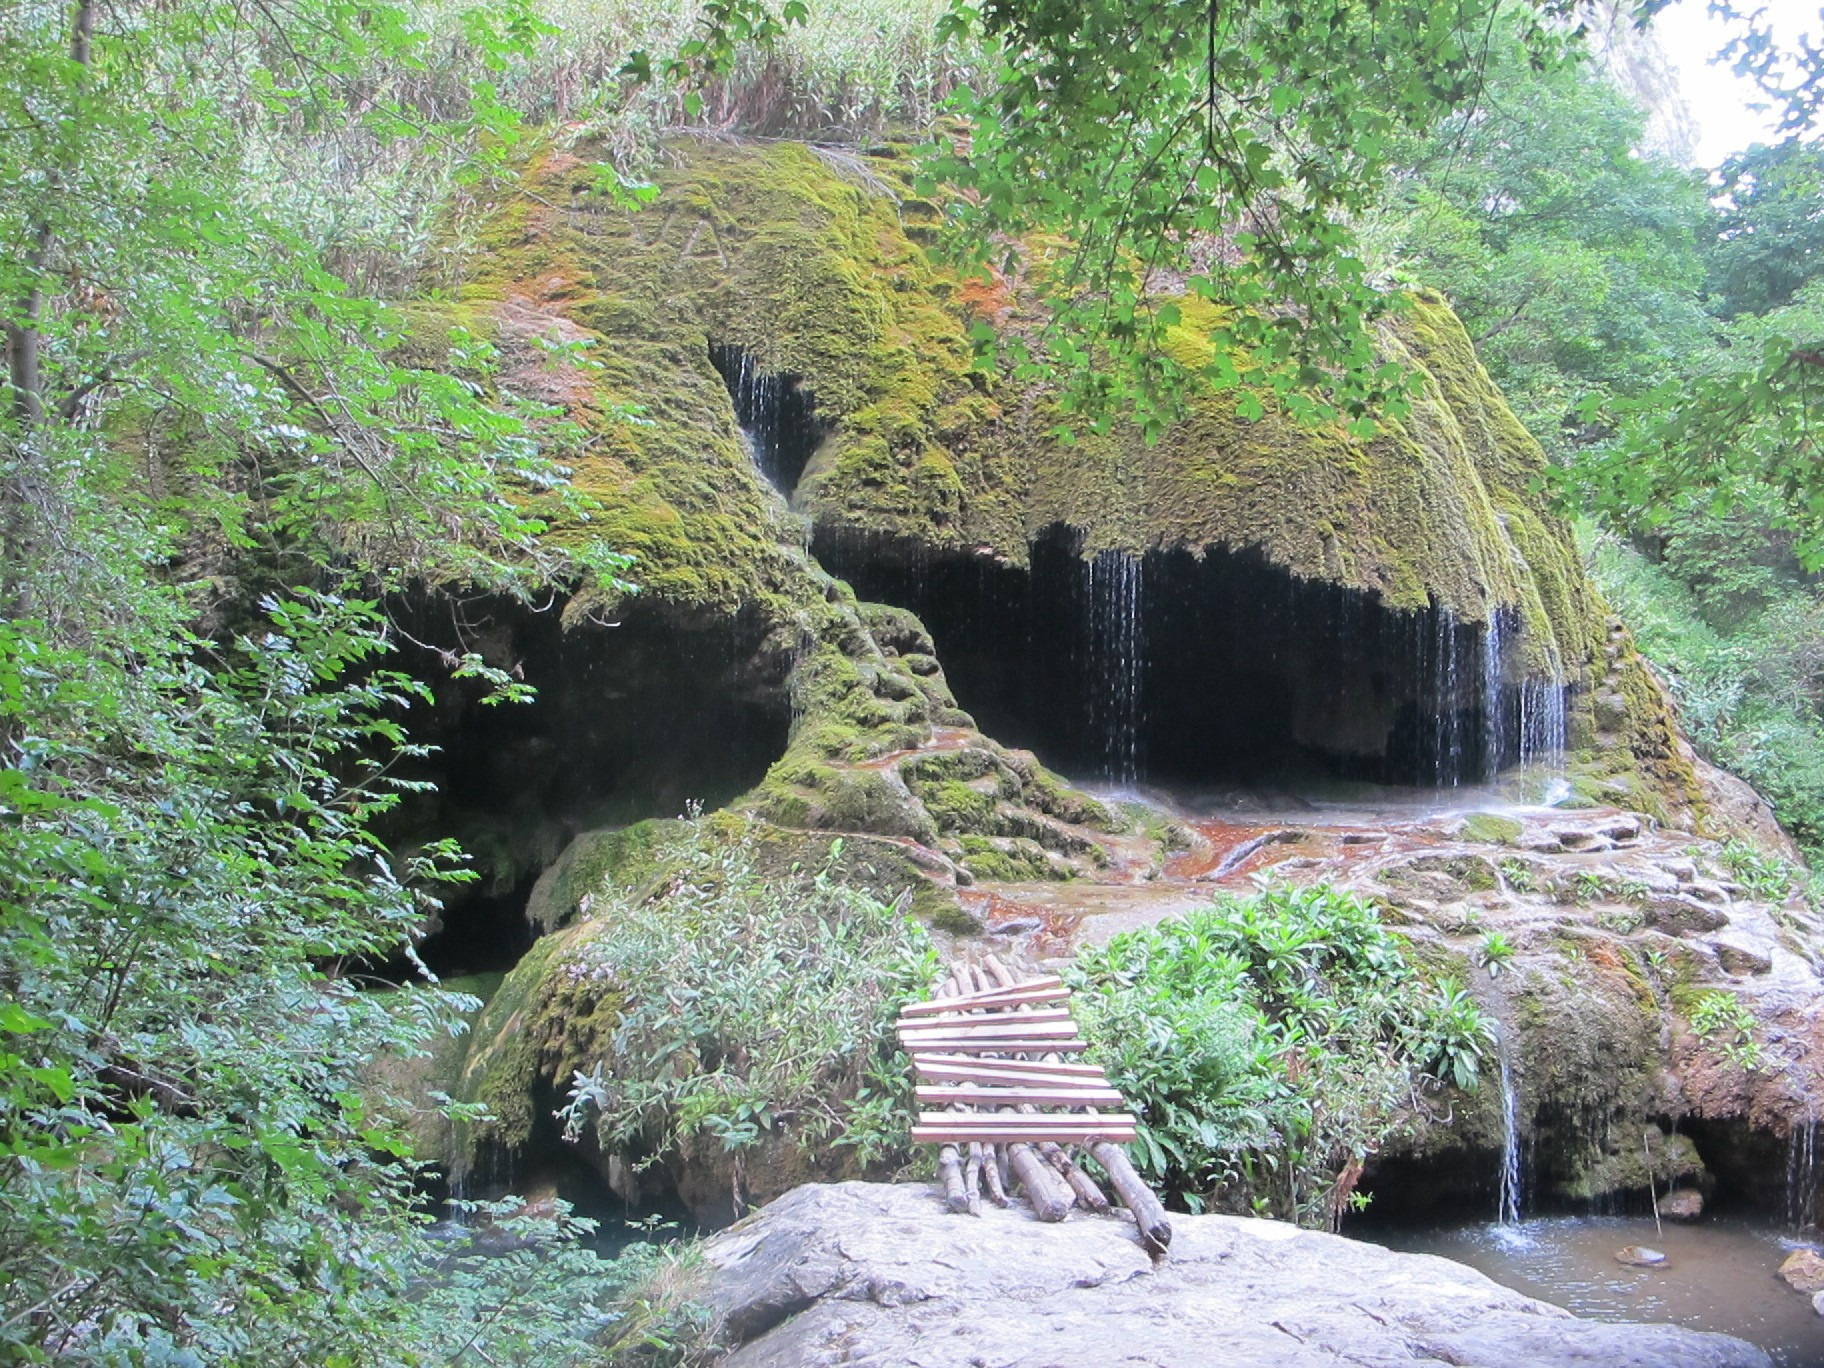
(873, 1275)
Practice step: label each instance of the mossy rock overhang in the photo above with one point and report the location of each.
(812, 263)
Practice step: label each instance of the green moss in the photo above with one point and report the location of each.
(958, 807)
(957, 921)
(1491, 828)
(790, 253)
(1634, 1160)
(1015, 860)
(624, 854)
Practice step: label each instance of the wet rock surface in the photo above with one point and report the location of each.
(869, 1274)
(1804, 1271)
(1614, 937)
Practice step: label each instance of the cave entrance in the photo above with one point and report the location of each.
(1219, 670)
(629, 721)
(776, 414)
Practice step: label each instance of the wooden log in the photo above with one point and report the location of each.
(1016, 1025)
(941, 1128)
(1010, 1068)
(1088, 1194)
(972, 1177)
(1017, 1012)
(999, 973)
(1136, 1196)
(990, 1122)
(978, 1045)
(992, 1175)
(1047, 1024)
(960, 1075)
(1081, 1183)
(1041, 990)
(950, 1170)
(1043, 1190)
(1058, 1095)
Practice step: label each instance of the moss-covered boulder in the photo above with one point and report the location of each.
(728, 995)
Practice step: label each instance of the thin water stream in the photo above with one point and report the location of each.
(1508, 1213)
(1721, 1274)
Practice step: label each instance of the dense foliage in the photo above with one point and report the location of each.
(1270, 1045)
(1737, 631)
(1575, 264)
(780, 993)
(211, 465)
(1215, 155)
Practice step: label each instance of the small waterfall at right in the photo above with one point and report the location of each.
(1523, 710)
(1510, 1200)
(1802, 1171)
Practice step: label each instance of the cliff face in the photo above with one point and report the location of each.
(1407, 607)
(780, 272)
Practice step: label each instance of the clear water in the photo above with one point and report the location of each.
(1721, 1274)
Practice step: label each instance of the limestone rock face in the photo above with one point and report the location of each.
(866, 1274)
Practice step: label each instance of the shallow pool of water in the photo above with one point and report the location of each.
(1722, 1274)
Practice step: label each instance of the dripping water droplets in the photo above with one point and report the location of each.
(776, 415)
(1802, 1171)
(1508, 1212)
(1116, 658)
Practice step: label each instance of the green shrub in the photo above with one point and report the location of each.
(1740, 640)
(752, 1001)
(1270, 1044)
(1724, 1023)
(1496, 952)
(1767, 877)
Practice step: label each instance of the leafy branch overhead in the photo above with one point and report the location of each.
(1176, 185)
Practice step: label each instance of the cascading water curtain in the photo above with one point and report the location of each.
(1494, 733)
(756, 395)
(1522, 723)
(1509, 1202)
(777, 418)
(1802, 1171)
(1447, 715)
(1116, 659)
(1542, 723)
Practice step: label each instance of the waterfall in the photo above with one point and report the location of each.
(1542, 724)
(756, 395)
(1494, 749)
(1114, 582)
(777, 418)
(1508, 1212)
(1447, 714)
(1802, 1171)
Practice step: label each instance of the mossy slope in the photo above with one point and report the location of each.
(811, 261)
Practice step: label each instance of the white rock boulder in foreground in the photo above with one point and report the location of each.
(875, 1275)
